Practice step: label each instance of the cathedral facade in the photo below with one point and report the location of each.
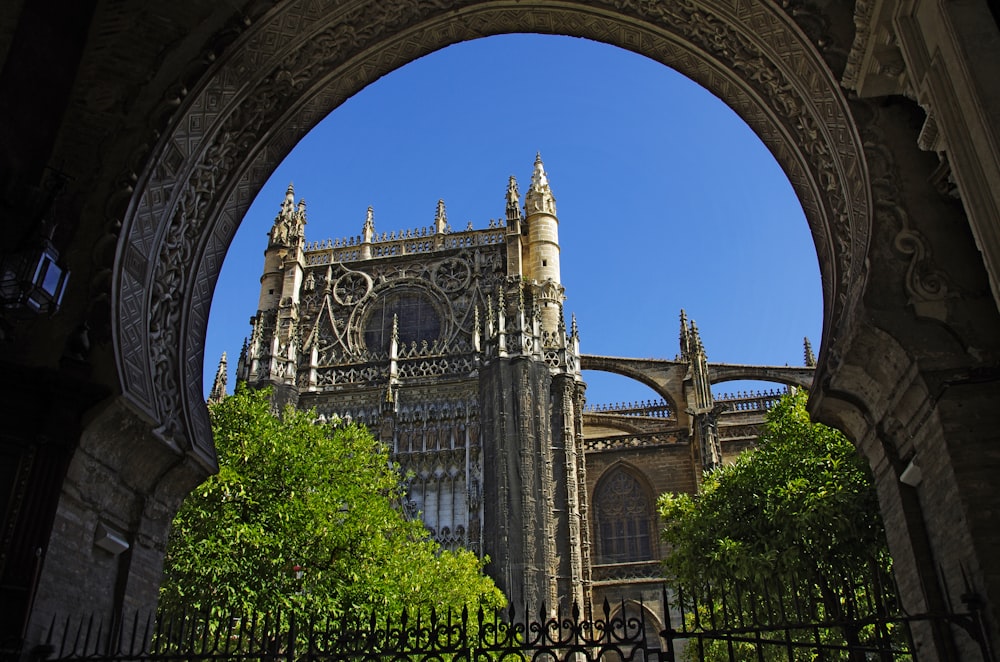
(454, 349)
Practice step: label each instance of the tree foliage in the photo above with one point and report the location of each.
(789, 533)
(301, 517)
(802, 505)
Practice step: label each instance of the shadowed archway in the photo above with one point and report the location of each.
(241, 122)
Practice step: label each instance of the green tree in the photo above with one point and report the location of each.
(798, 513)
(301, 517)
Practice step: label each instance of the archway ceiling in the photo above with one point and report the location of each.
(287, 71)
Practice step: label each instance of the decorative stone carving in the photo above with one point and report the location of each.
(927, 286)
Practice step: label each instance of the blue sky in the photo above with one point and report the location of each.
(666, 199)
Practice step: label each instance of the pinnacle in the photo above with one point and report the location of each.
(539, 197)
(810, 358)
(539, 180)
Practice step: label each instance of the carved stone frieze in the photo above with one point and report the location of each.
(281, 77)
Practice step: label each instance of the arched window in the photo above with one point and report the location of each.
(623, 518)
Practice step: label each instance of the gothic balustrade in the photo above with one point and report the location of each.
(653, 408)
(754, 401)
(409, 242)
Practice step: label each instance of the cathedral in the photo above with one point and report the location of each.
(454, 349)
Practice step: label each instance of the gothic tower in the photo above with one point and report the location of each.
(273, 347)
(541, 259)
(452, 347)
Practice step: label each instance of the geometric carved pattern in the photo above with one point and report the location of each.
(279, 80)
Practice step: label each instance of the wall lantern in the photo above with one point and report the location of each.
(110, 540)
(32, 280)
(911, 475)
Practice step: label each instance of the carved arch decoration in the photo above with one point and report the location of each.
(302, 59)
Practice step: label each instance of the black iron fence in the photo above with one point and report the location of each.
(430, 636)
(825, 618)
(717, 624)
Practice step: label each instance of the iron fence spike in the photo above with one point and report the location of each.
(62, 643)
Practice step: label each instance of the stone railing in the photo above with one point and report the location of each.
(739, 432)
(743, 401)
(420, 240)
(654, 408)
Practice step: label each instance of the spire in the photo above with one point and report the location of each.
(696, 338)
(368, 230)
(513, 202)
(289, 223)
(685, 338)
(539, 198)
(476, 338)
(241, 363)
(440, 218)
(808, 352)
(218, 392)
(394, 350)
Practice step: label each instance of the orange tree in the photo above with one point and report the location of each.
(797, 514)
(302, 517)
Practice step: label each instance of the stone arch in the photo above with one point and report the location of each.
(665, 387)
(301, 60)
(169, 115)
(801, 377)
